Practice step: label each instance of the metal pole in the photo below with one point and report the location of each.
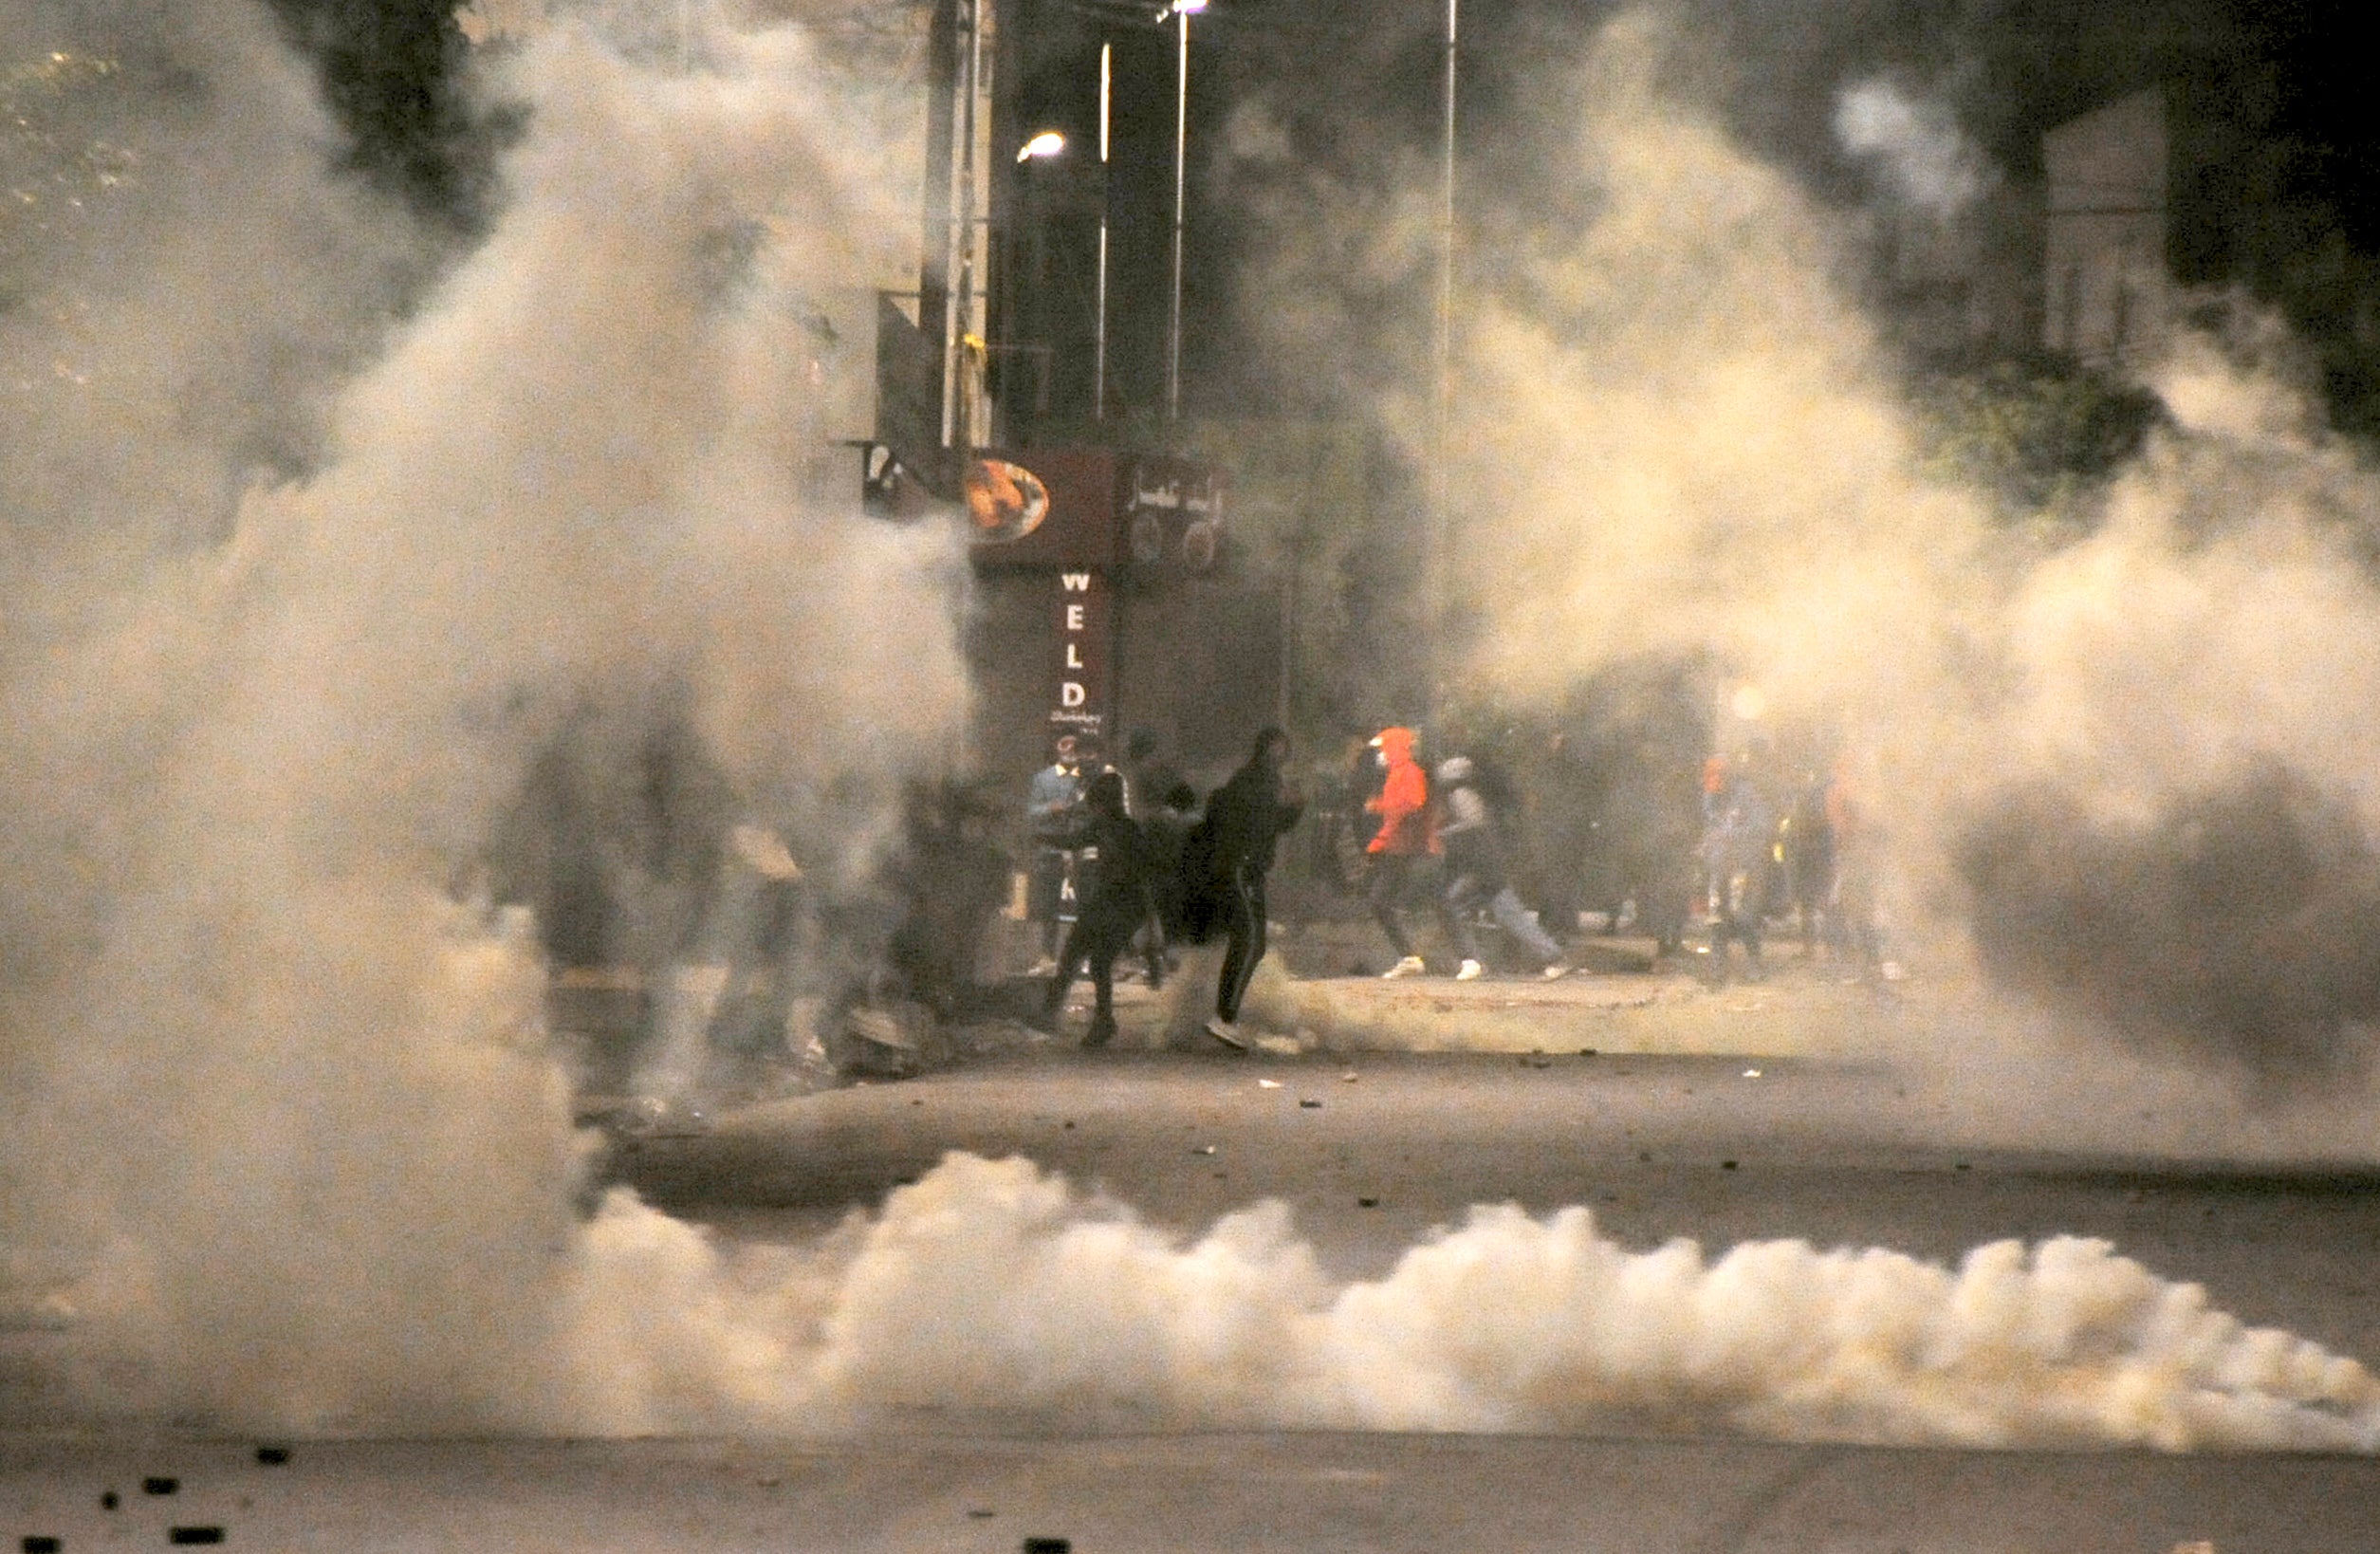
(1098, 305)
(934, 240)
(962, 411)
(1181, 147)
(1288, 633)
(1442, 397)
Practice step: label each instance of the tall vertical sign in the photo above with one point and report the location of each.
(1081, 691)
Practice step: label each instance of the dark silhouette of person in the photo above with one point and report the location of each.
(1151, 782)
(1117, 902)
(1232, 848)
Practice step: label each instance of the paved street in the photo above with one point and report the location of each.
(1830, 1120)
(1293, 1495)
(1800, 1107)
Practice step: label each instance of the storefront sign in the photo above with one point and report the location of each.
(1172, 512)
(1085, 636)
(1041, 508)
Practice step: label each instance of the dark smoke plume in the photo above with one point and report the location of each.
(2242, 923)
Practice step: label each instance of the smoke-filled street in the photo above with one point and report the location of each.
(1374, 1152)
(1733, 642)
(1878, 1261)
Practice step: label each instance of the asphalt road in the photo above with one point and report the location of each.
(1865, 1144)
(1271, 1495)
(1801, 1108)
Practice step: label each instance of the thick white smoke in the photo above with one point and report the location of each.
(292, 1105)
(1677, 432)
(1917, 147)
(295, 1100)
(992, 1291)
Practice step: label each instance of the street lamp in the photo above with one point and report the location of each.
(1099, 295)
(1439, 541)
(1042, 146)
(1180, 11)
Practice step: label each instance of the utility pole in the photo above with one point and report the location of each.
(1181, 164)
(934, 271)
(1098, 303)
(1439, 542)
(963, 426)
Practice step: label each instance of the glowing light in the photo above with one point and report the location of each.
(1047, 143)
(1748, 703)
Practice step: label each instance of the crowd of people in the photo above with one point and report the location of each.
(1117, 859)
(1128, 862)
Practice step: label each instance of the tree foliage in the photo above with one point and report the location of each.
(2041, 437)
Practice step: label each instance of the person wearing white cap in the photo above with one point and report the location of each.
(1475, 875)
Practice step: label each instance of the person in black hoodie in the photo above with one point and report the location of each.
(1232, 850)
(1115, 905)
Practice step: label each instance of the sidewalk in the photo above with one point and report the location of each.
(1140, 1494)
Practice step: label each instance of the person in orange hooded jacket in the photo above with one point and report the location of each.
(1403, 849)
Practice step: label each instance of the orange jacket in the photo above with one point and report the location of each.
(1407, 823)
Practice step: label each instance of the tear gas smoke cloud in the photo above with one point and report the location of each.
(2180, 843)
(1684, 433)
(1676, 433)
(135, 187)
(297, 1100)
(1917, 147)
(2234, 918)
(992, 1285)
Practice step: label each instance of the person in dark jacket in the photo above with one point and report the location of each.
(1166, 824)
(1151, 784)
(1115, 903)
(1245, 820)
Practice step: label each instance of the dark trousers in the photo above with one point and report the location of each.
(1149, 939)
(1244, 940)
(1394, 878)
(1098, 935)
